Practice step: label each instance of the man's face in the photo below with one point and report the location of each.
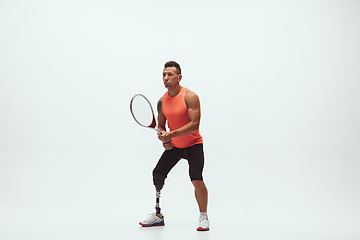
(170, 77)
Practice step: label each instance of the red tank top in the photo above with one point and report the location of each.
(176, 113)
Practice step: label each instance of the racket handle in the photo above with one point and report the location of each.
(158, 131)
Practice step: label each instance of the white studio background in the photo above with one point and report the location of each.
(279, 84)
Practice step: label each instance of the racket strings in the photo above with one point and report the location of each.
(142, 111)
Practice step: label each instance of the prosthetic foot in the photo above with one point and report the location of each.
(155, 219)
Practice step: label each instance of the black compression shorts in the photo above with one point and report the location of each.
(193, 154)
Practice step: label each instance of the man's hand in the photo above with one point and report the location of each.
(165, 136)
(168, 145)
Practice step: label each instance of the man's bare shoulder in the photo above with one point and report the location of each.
(190, 94)
(191, 98)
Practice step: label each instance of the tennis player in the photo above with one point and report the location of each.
(180, 109)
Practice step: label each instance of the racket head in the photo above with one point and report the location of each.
(142, 111)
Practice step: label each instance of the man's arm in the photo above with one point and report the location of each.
(161, 117)
(193, 104)
(161, 124)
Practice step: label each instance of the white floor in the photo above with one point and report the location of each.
(27, 223)
(241, 206)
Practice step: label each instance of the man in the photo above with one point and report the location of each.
(180, 109)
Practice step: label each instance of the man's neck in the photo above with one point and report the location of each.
(174, 91)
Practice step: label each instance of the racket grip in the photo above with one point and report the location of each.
(158, 131)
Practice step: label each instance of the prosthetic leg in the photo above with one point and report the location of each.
(159, 183)
(157, 206)
(155, 219)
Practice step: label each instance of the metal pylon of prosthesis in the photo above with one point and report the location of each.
(157, 207)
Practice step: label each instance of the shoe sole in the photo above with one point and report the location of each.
(155, 225)
(203, 229)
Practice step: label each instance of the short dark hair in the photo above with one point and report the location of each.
(173, 64)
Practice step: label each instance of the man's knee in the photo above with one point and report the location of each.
(198, 184)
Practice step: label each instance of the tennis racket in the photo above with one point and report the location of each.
(142, 112)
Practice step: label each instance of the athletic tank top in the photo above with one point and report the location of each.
(176, 113)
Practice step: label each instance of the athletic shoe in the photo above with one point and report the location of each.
(153, 221)
(204, 224)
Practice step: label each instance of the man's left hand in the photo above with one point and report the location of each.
(165, 136)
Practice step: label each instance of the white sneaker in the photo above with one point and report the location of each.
(204, 224)
(153, 221)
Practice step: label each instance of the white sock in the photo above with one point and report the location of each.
(203, 214)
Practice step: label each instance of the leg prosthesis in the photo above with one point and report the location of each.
(158, 180)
